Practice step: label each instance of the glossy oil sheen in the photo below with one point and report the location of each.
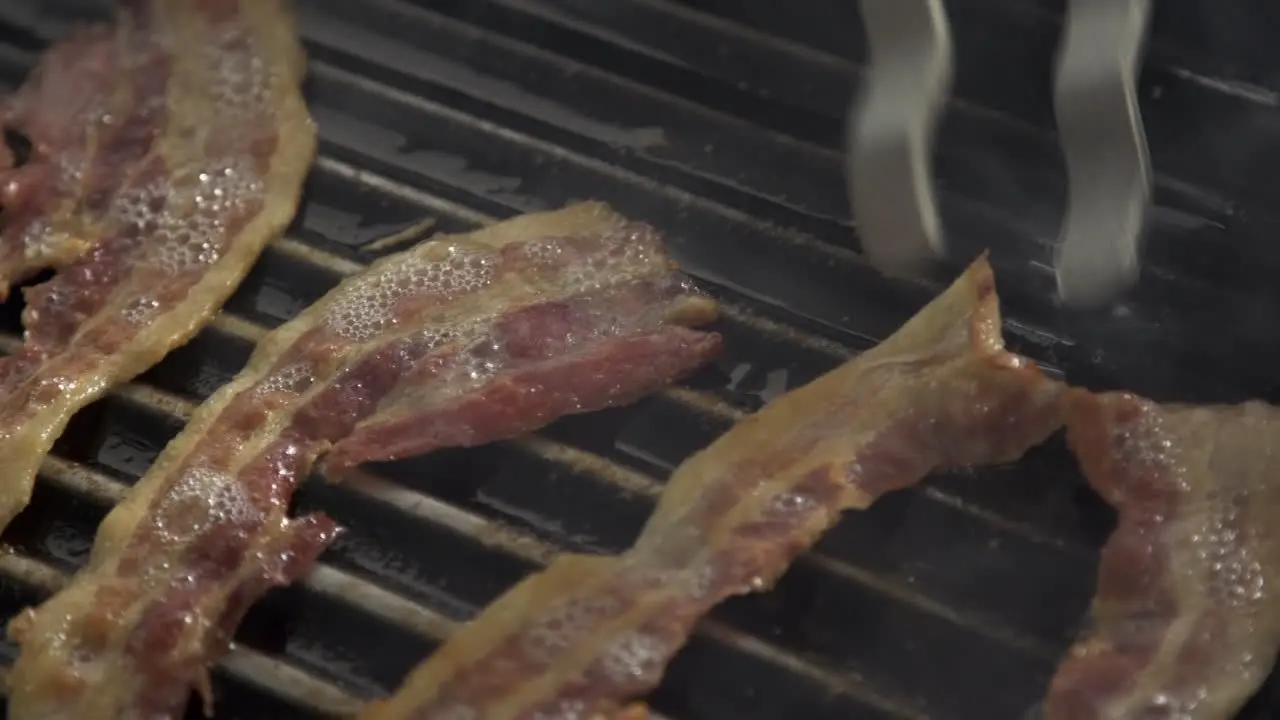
(720, 121)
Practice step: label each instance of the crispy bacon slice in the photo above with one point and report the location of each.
(167, 150)
(548, 314)
(1184, 624)
(591, 632)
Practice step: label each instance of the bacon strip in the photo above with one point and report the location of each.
(1183, 624)
(549, 313)
(591, 632)
(167, 151)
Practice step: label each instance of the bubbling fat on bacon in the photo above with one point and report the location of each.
(166, 151)
(590, 633)
(469, 338)
(1184, 622)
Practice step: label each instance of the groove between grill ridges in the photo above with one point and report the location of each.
(833, 250)
(563, 455)
(717, 25)
(803, 241)
(331, 582)
(1040, 342)
(1043, 336)
(341, 265)
(789, 332)
(642, 143)
(44, 30)
(335, 584)
(362, 595)
(102, 488)
(235, 326)
(804, 244)
(1163, 49)
(597, 467)
(244, 664)
(739, 313)
(1167, 281)
(777, 43)
(698, 401)
(1034, 316)
(582, 461)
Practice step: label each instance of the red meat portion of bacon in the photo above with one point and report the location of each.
(519, 311)
(64, 110)
(167, 150)
(590, 633)
(548, 360)
(1184, 624)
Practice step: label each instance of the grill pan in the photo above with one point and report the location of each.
(720, 122)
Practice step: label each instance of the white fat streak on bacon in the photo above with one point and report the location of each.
(1185, 623)
(612, 329)
(186, 249)
(589, 633)
(449, 290)
(207, 99)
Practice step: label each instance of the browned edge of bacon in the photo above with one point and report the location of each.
(471, 338)
(152, 191)
(592, 632)
(1184, 623)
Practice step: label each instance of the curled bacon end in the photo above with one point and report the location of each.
(458, 341)
(590, 633)
(1183, 621)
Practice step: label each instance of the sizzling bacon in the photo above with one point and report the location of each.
(545, 315)
(591, 632)
(167, 150)
(1184, 623)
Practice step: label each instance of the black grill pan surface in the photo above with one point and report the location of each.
(720, 121)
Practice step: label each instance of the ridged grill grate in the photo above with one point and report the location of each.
(719, 121)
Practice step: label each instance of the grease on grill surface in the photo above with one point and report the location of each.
(593, 632)
(205, 533)
(883, 620)
(150, 189)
